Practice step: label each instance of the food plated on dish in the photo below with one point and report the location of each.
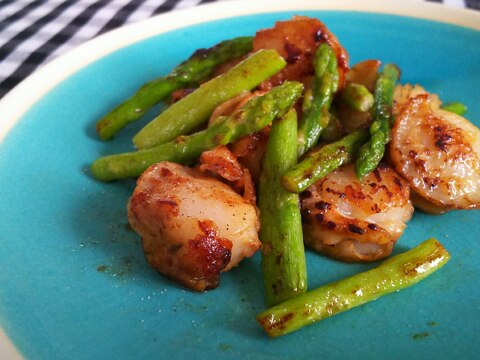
(110, 302)
(267, 133)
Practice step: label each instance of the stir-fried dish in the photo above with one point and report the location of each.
(272, 143)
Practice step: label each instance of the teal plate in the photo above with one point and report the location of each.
(74, 283)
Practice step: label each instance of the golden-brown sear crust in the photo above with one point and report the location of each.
(192, 226)
(296, 40)
(249, 151)
(351, 220)
(197, 265)
(210, 252)
(221, 162)
(438, 153)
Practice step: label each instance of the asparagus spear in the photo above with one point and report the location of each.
(317, 103)
(198, 67)
(318, 163)
(193, 110)
(357, 96)
(455, 107)
(253, 116)
(396, 273)
(333, 131)
(283, 253)
(372, 152)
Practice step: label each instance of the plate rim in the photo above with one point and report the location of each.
(38, 84)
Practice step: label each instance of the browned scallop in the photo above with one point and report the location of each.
(297, 40)
(229, 106)
(192, 226)
(249, 150)
(437, 152)
(220, 162)
(351, 220)
(364, 73)
(403, 93)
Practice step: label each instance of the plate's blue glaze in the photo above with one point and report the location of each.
(74, 282)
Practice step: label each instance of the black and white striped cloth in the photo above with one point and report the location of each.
(32, 32)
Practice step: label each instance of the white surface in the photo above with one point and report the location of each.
(7, 350)
(24, 95)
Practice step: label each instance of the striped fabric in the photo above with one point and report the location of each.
(32, 32)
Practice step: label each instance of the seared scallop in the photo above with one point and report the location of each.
(436, 151)
(297, 41)
(351, 220)
(220, 162)
(192, 226)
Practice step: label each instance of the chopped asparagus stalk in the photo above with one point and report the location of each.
(253, 116)
(357, 96)
(396, 273)
(191, 72)
(372, 152)
(320, 162)
(283, 253)
(455, 107)
(193, 110)
(317, 102)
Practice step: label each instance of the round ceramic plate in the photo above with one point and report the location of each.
(74, 281)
